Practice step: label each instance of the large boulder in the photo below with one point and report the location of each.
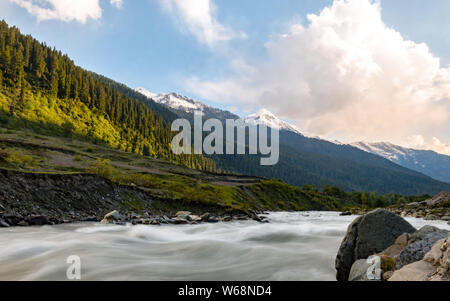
(424, 231)
(369, 234)
(434, 267)
(417, 250)
(417, 271)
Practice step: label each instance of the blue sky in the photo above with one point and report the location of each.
(149, 43)
(140, 45)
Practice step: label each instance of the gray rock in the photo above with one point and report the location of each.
(212, 219)
(431, 217)
(194, 218)
(180, 221)
(205, 216)
(12, 220)
(3, 224)
(347, 213)
(37, 220)
(417, 250)
(22, 224)
(366, 235)
(423, 232)
(227, 219)
(445, 218)
(111, 217)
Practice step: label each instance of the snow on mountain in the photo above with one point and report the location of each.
(174, 101)
(266, 117)
(145, 92)
(427, 162)
(385, 149)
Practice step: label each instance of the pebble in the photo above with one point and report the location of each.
(3, 224)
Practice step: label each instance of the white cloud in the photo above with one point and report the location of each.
(65, 10)
(116, 3)
(346, 76)
(199, 18)
(434, 144)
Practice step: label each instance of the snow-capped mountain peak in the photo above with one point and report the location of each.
(145, 92)
(267, 118)
(174, 101)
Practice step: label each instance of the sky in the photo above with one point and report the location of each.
(347, 70)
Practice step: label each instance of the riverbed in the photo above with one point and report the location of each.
(293, 246)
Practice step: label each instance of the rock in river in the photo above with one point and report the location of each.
(111, 217)
(369, 234)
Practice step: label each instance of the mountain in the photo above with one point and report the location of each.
(184, 106)
(43, 91)
(427, 162)
(265, 117)
(310, 161)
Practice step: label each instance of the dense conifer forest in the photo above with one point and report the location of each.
(43, 89)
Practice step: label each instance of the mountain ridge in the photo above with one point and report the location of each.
(305, 160)
(429, 162)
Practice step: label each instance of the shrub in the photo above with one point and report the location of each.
(102, 168)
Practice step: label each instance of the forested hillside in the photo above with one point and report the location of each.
(43, 89)
(308, 161)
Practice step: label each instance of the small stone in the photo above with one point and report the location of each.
(37, 220)
(155, 222)
(12, 219)
(227, 219)
(22, 224)
(111, 217)
(212, 219)
(387, 275)
(240, 217)
(205, 216)
(431, 217)
(446, 218)
(3, 224)
(194, 218)
(346, 213)
(180, 221)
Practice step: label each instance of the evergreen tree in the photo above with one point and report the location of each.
(27, 66)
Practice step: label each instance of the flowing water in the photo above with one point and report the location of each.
(294, 246)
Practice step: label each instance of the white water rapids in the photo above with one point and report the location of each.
(293, 246)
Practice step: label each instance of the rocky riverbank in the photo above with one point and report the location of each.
(381, 245)
(28, 199)
(436, 208)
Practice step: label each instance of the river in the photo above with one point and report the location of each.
(293, 246)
